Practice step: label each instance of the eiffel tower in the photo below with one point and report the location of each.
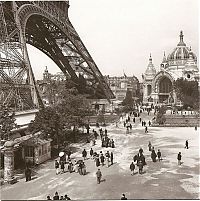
(46, 26)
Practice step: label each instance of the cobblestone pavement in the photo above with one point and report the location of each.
(160, 180)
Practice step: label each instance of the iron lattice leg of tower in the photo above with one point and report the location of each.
(17, 85)
(46, 26)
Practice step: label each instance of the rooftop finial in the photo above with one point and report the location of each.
(181, 36)
(181, 43)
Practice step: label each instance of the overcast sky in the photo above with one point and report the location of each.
(120, 34)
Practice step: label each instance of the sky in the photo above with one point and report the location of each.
(121, 34)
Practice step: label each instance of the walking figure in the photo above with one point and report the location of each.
(28, 174)
(140, 119)
(56, 196)
(153, 155)
(99, 175)
(186, 144)
(159, 155)
(102, 159)
(150, 146)
(140, 165)
(91, 153)
(132, 168)
(146, 129)
(179, 158)
(62, 166)
(111, 158)
(84, 154)
(149, 123)
(57, 166)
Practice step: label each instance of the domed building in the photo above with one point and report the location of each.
(158, 86)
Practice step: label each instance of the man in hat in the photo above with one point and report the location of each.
(99, 175)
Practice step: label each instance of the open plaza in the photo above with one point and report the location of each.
(160, 180)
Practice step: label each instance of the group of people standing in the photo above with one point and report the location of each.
(77, 167)
(57, 197)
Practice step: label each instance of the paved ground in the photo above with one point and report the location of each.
(161, 180)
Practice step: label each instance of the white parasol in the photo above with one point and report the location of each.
(61, 154)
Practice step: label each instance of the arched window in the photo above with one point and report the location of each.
(165, 85)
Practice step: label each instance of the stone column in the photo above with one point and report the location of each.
(9, 162)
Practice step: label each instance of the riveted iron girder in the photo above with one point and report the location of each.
(46, 26)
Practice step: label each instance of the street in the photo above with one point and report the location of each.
(160, 180)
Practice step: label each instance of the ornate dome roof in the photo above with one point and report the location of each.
(150, 71)
(181, 52)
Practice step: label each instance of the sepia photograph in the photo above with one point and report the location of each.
(99, 100)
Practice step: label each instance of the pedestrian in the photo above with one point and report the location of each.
(186, 144)
(28, 174)
(62, 166)
(102, 159)
(56, 196)
(140, 165)
(111, 158)
(91, 153)
(179, 158)
(132, 168)
(144, 123)
(84, 169)
(99, 175)
(84, 154)
(159, 155)
(70, 167)
(106, 132)
(81, 168)
(127, 130)
(57, 167)
(113, 143)
(195, 128)
(123, 197)
(140, 151)
(149, 123)
(130, 126)
(76, 167)
(48, 197)
(134, 120)
(146, 129)
(150, 146)
(140, 119)
(66, 197)
(153, 155)
(97, 161)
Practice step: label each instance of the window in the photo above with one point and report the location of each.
(29, 151)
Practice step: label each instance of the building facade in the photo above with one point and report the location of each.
(180, 63)
(120, 85)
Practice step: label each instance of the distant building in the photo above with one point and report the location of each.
(180, 63)
(120, 85)
(48, 86)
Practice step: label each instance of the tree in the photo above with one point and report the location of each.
(49, 123)
(128, 101)
(160, 119)
(7, 122)
(187, 92)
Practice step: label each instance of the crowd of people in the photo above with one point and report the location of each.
(105, 157)
(57, 197)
